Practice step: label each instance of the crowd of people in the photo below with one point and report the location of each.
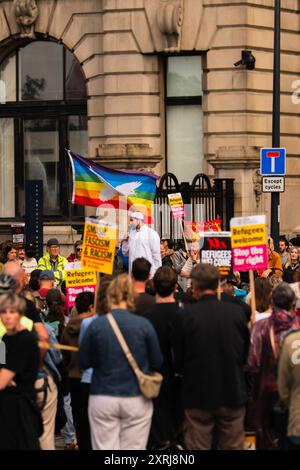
(223, 374)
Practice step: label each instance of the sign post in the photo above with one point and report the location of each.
(273, 163)
(275, 197)
(249, 248)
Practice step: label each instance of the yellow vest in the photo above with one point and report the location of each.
(25, 322)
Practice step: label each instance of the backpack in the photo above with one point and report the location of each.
(41, 304)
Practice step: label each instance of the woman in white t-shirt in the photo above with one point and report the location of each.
(30, 263)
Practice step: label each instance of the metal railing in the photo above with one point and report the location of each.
(203, 201)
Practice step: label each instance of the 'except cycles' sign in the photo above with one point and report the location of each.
(273, 184)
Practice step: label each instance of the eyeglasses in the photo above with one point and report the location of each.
(78, 249)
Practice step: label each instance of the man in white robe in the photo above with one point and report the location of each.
(144, 242)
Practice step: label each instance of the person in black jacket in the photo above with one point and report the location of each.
(165, 318)
(211, 352)
(20, 420)
(141, 268)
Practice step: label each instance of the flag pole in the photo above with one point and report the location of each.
(69, 191)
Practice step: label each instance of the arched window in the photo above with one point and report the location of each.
(43, 111)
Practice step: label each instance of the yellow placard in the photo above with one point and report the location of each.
(175, 200)
(80, 277)
(248, 235)
(98, 248)
(176, 204)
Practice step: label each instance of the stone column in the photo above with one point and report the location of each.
(240, 163)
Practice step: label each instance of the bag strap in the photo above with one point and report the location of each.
(123, 345)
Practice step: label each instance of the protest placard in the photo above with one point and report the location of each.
(98, 248)
(18, 234)
(72, 265)
(249, 249)
(216, 250)
(177, 208)
(194, 230)
(77, 281)
(249, 243)
(176, 204)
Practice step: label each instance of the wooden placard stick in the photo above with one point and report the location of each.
(183, 236)
(63, 347)
(219, 291)
(253, 301)
(97, 290)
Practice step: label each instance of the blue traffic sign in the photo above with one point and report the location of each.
(272, 161)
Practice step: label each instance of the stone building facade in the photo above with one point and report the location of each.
(122, 47)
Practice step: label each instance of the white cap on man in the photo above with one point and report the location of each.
(137, 215)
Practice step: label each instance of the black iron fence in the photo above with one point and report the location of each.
(203, 201)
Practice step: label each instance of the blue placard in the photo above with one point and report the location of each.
(272, 161)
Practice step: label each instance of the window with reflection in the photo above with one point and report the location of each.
(41, 79)
(184, 116)
(43, 111)
(41, 158)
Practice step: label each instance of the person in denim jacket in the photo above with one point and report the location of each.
(119, 415)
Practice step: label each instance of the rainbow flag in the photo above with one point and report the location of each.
(98, 185)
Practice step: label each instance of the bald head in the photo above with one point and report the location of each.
(12, 268)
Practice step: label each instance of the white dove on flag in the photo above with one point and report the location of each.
(126, 189)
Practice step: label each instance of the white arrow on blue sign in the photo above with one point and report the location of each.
(272, 161)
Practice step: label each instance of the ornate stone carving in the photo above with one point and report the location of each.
(257, 186)
(235, 157)
(170, 19)
(26, 12)
(127, 156)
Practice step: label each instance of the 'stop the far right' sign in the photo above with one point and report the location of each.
(272, 161)
(249, 243)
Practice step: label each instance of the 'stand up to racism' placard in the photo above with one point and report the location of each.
(217, 251)
(98, 248)
(249, 243)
